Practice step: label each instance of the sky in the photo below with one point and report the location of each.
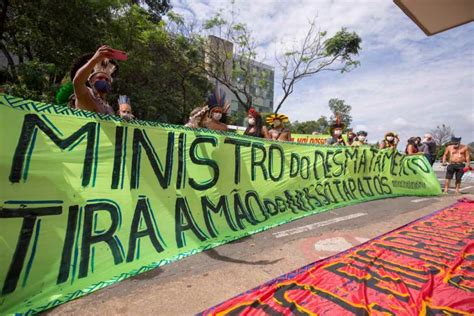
(407, 82)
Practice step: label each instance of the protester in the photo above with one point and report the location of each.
(361, 139)
(218, 109)
(278, 130)
(419, 145)
(412, 148)
(390, 141)
(196, 117)
(335, 130)
(458, 156)
(256, 127)
(351, 138)
(125, 108)
(93, 81)
(429, 148)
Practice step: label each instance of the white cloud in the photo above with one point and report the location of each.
(407, 82)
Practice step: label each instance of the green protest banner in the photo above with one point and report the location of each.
(88, 200)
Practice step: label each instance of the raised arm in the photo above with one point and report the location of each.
(83, 96)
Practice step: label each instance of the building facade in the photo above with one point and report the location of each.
(263, 79)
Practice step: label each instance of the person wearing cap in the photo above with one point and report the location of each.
(218, 109)
(429, 148)
(390, 140)
(93, 81)
(256, 127)
(278, 130)
(458, 157)
(361, 139)
(336, 130)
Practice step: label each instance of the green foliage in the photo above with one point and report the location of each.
(339, 106)
(440, 151)
(35, 80)
(320, 126)
(162, 75)
(238, 117)
(344, 44)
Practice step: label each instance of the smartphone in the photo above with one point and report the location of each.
(118, 55)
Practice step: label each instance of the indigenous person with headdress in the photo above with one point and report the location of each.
(93, 81)
(361, 139)
(125, 108)
(278, 130)
(256, 127)
(196, 117)
(218, 109)
(458, 156)
(390, 140)
(335, 130)
(351, 138)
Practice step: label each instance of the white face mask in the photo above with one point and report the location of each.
(217, 116)
(361, 138)
(389, 138)
(276, 123)
(337, 132)
(251, 121)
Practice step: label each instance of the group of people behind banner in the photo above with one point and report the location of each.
(92, 76)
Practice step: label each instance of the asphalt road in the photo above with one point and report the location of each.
(206, 279)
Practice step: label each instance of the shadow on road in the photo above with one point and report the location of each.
(212, 253)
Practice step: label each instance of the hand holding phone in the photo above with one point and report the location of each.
(118, 54)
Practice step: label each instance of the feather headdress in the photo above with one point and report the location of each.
(272, 117)
(123, 99)
(106, 66)
(337, 124)
(216, 100)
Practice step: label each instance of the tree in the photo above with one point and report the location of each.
(442, 134)
(337, 106)
(316, 54)
(156, 8)
(308, 127)
(162, 75)
(229, 53)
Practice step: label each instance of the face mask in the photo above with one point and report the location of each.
(389, 138)
(361, 138)
(102, 86)
(127, 116)
(337, 133)
(217, 116)
(251, 121)
(276, 123)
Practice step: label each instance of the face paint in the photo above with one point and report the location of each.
(389, 138)
(337, 132)
(361, 138)
(251, 121)
(276, 123)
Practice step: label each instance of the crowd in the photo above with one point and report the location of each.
(92, 76)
